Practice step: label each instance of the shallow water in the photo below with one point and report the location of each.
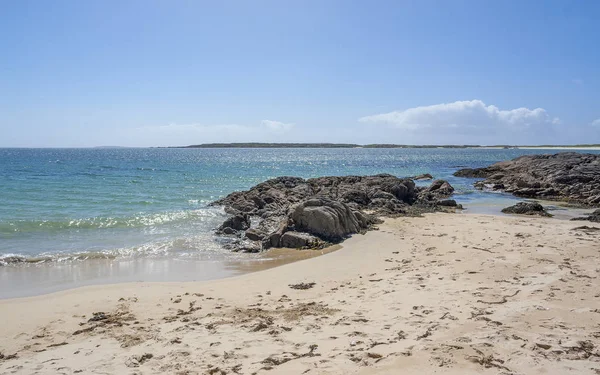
(146, 209)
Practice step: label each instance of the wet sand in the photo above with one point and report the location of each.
(36, 279)
(451, 294)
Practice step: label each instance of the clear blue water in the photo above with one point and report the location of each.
(87, 203)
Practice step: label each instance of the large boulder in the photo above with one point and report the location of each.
(526, 208)
(568, 176)
(326, 218)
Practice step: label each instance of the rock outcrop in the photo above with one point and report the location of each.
(593, 217)
(568, 176)
(293, 212)
(527, 208)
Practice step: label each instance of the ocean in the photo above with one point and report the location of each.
(143, 214)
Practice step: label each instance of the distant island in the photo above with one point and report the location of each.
(351, 145)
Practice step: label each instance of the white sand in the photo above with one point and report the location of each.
(448, 294)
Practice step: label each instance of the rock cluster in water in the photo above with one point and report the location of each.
(568, 176)
(298, 213)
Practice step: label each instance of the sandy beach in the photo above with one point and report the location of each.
(445, 293)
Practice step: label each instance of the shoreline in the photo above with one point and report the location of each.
(30, 280)
(410, 296)
(23, 280)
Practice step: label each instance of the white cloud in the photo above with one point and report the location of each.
(596, 123)
(276, 125)
(460, 116)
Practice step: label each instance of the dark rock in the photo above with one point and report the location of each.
(593, 217)
(448, 203)
(298, 240)
(473, 173)
(244, 246)
(568, 176)
(236, 222)
(329, 208)
(228, 230)
(302, 286)
(382, 195)
(441, 187)
(272, 240)
(526, 208)
(438, 190)
(356, 196)
(425, 176)
(254, 235)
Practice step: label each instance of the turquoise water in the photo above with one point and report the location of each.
(65, 204)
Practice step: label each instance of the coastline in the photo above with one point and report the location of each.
(39, 279)
(451, 293)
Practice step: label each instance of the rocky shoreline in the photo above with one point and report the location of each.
(297, 213)
(568, 176)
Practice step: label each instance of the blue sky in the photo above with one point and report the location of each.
(163, 73)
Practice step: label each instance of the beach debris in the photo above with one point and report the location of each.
(57, 344)
(503, 300)
(427, 333)
(263, 324)
(98, 316)
(482, 249)
(302, 286)
(487, 361)
(192, 307)
(101, 319)
(276, 360)
(138, 360)
(216, 371)
(586, 228)
(522, 235)
(6, 357)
